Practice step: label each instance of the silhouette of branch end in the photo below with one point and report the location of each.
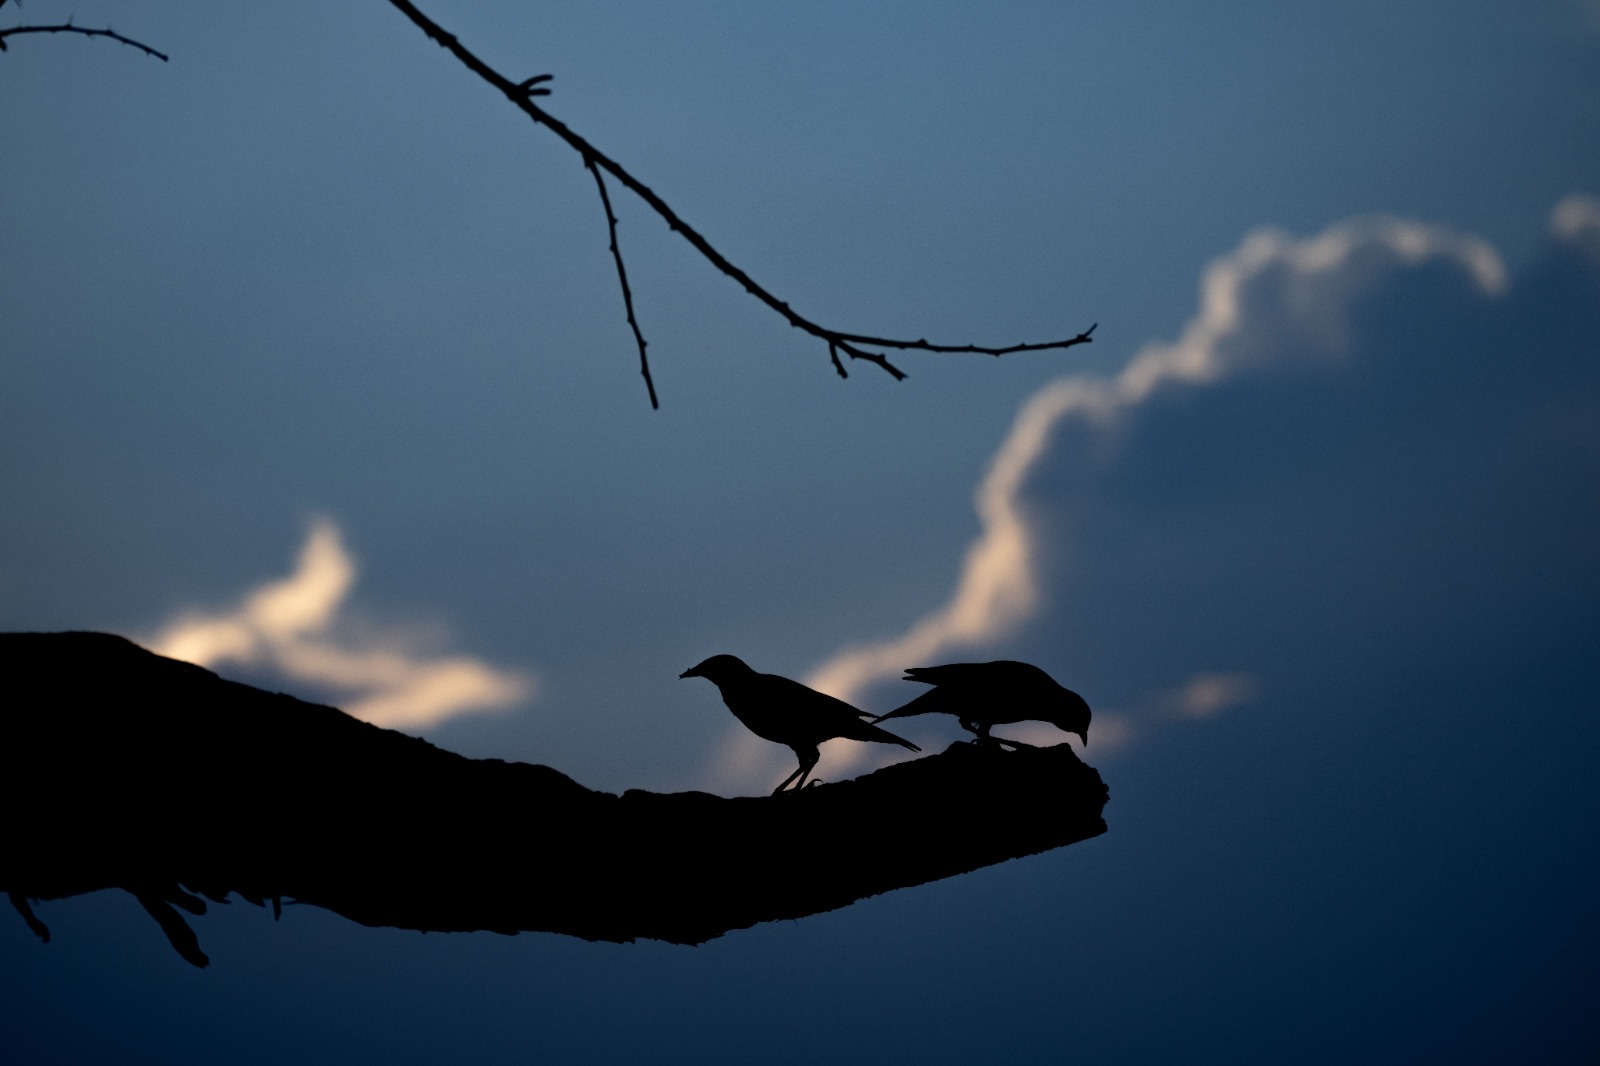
(179, 935)
(838, 342)
(850, 343)
(925, 345)
(68, 27)
(20, 902)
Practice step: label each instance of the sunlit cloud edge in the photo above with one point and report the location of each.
(293, 629)
(999, 589)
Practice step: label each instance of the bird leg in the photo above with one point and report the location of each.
(981, 736)
(808, 761)
(980, 732)
(785, 784)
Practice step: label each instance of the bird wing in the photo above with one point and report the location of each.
(934, 701)
(808, 709)
(866, 731)
(822, 717)
(953, 674)
(1000, 673)
(992, 693)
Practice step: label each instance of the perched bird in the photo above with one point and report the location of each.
(786, 712)
(981, 695)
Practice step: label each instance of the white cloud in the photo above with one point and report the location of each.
(1312, 280)
(1576, 221)
(1112, 731)
(997, 591)
(292, 628)
(1208, 694)
(743, 762)
(1353, 456)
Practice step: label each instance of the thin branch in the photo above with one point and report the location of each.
(68, 27)
(855, 345)
(974, 349)
(622, 279)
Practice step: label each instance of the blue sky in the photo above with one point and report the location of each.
(314, 359)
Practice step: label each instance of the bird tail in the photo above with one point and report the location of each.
(884, 734)
(916, 706)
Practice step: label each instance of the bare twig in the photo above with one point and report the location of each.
(855, 345)
(68, 27)
(622, 279)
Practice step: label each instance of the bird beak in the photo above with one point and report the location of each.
(688, 673)
(1084, 736)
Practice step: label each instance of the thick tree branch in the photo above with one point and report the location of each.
(122, 769)
(855, 345)
(68, 27)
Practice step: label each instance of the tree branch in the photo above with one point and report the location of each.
(68, 27)
(123, 769)
(622, 279)
(855, 345)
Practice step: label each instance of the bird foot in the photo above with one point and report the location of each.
(786, 787)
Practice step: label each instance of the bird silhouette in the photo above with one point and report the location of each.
(786, 712)
(982, 695)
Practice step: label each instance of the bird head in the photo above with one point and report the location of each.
(718, 668)
(1070, 714)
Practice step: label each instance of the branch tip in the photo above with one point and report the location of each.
(68, 27)
(622, 280)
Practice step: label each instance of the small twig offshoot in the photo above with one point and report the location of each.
(622, 279)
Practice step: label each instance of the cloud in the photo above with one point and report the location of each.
(1313, 281)
(292, 628)
(1575, 221)
(997, 591)
(1113, 731)
(1366, 445)
(1210, 693)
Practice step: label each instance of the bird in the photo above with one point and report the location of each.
(982, 695)
(786, 712)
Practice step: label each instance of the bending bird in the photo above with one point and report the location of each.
(786, 712)
(981, 695)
